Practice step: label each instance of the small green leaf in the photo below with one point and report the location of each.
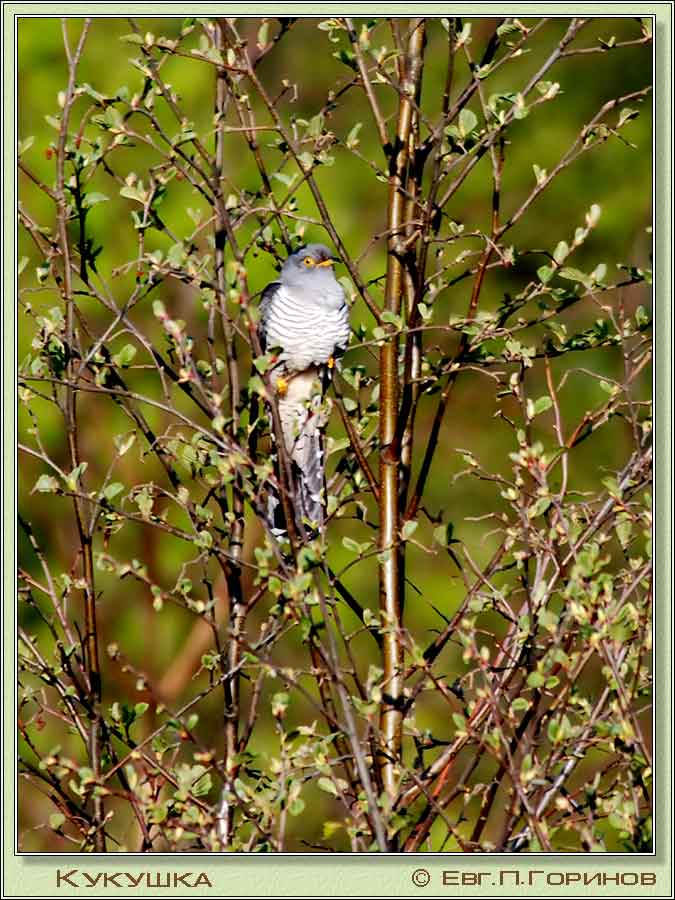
(263, 35)
(315, 126)
(352, 141)
(125, 357)
(548, 619)
(279, 704)
(464, 36)
(519, 109)
(262, 363)
(624, 527)
(176, 255)
(348, 57)
(330, 828)
(283, 178)
(409, 528)
(56, 820)
(571, 274)
(144, 502)
(641, 317)
(73, 477)
(508, 27)
(133, 193)
(202, 784)
(535, 680)
(443, 534)
(25, 145)
(124, 442)
(112, 490)
(467, 122)
(93, 198)
(539, 507)
(626, 115)
(256, 386)
(391, 318)
(204, 540)
(351, 545)
(542, 404)
(325, 784)
(46, 484)
(425, 311)
(296, 807)
(209, 660)
(306, 160)
(540, 174)
(558, 731)
(561, 252)
(593, 216)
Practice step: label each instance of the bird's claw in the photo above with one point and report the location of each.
(331, 362)
(282, 387)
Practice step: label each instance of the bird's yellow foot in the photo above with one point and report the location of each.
(282, 387)
(331, 362)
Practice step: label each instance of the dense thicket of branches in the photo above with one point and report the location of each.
(461, 660)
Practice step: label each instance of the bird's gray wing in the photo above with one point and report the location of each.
(343, 340)
(266, 301)
(343, 335)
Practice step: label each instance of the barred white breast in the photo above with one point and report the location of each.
(308, 332)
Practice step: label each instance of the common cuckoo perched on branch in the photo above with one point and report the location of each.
(304, 314)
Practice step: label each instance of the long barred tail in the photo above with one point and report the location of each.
(302, 424)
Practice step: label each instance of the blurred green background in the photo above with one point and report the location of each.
(615, 176)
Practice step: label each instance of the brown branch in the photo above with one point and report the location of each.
(357, 448)
(237, 608)
(365, 82)
(96, 740)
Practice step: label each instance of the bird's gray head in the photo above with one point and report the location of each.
(308, 263)
(309, 272)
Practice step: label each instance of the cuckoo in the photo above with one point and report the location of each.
(304, 325)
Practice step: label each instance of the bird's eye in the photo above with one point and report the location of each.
(308, 261)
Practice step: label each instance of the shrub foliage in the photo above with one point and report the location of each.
(461, 659)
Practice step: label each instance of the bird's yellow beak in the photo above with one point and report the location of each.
(327, 262)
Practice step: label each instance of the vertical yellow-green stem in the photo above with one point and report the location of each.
(390, 584)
